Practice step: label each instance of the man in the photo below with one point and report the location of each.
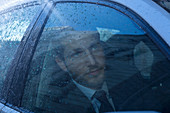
(83, 58)
(87, 89)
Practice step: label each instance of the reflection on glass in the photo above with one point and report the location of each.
(88, 65)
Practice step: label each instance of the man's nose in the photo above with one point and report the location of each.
(90, 57)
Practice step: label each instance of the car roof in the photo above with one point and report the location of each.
(157, 17)
(11, 3)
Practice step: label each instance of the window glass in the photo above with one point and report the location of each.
(13, 24)
(92, 59)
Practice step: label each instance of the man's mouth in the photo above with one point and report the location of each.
(94, 72)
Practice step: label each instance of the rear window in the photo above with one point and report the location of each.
(13, 24)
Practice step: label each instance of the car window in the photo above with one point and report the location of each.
(93, 58)
(13, 24)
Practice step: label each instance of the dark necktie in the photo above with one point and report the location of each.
(105, 105)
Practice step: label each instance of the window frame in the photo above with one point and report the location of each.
(18, 72)
(13, 66)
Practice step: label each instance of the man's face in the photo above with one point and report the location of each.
(84, 59)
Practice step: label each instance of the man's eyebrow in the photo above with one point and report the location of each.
(77, 49)
(94, 43)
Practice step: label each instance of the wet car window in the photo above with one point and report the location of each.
(13, 24)
(91, 59)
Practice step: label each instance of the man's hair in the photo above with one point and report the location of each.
(55, 48)
(57, 41)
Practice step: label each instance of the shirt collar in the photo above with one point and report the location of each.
(90, 92)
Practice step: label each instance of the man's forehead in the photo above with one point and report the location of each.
(72, 36)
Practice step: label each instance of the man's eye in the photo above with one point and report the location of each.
(95, 47)
(77, 54)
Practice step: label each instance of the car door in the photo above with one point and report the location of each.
(136, 60)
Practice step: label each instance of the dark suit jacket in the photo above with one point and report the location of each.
(137, 93)
(133, 94)
(69, 100)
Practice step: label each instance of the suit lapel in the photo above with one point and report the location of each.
(78, 101)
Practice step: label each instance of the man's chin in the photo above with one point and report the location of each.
(92, 84)
(95, 86)
(96, 82)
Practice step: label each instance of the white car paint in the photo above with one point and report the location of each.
(5, 4)
(153, 14)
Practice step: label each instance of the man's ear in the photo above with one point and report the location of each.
(61, 63)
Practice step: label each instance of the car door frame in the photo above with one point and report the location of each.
(26, 37)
